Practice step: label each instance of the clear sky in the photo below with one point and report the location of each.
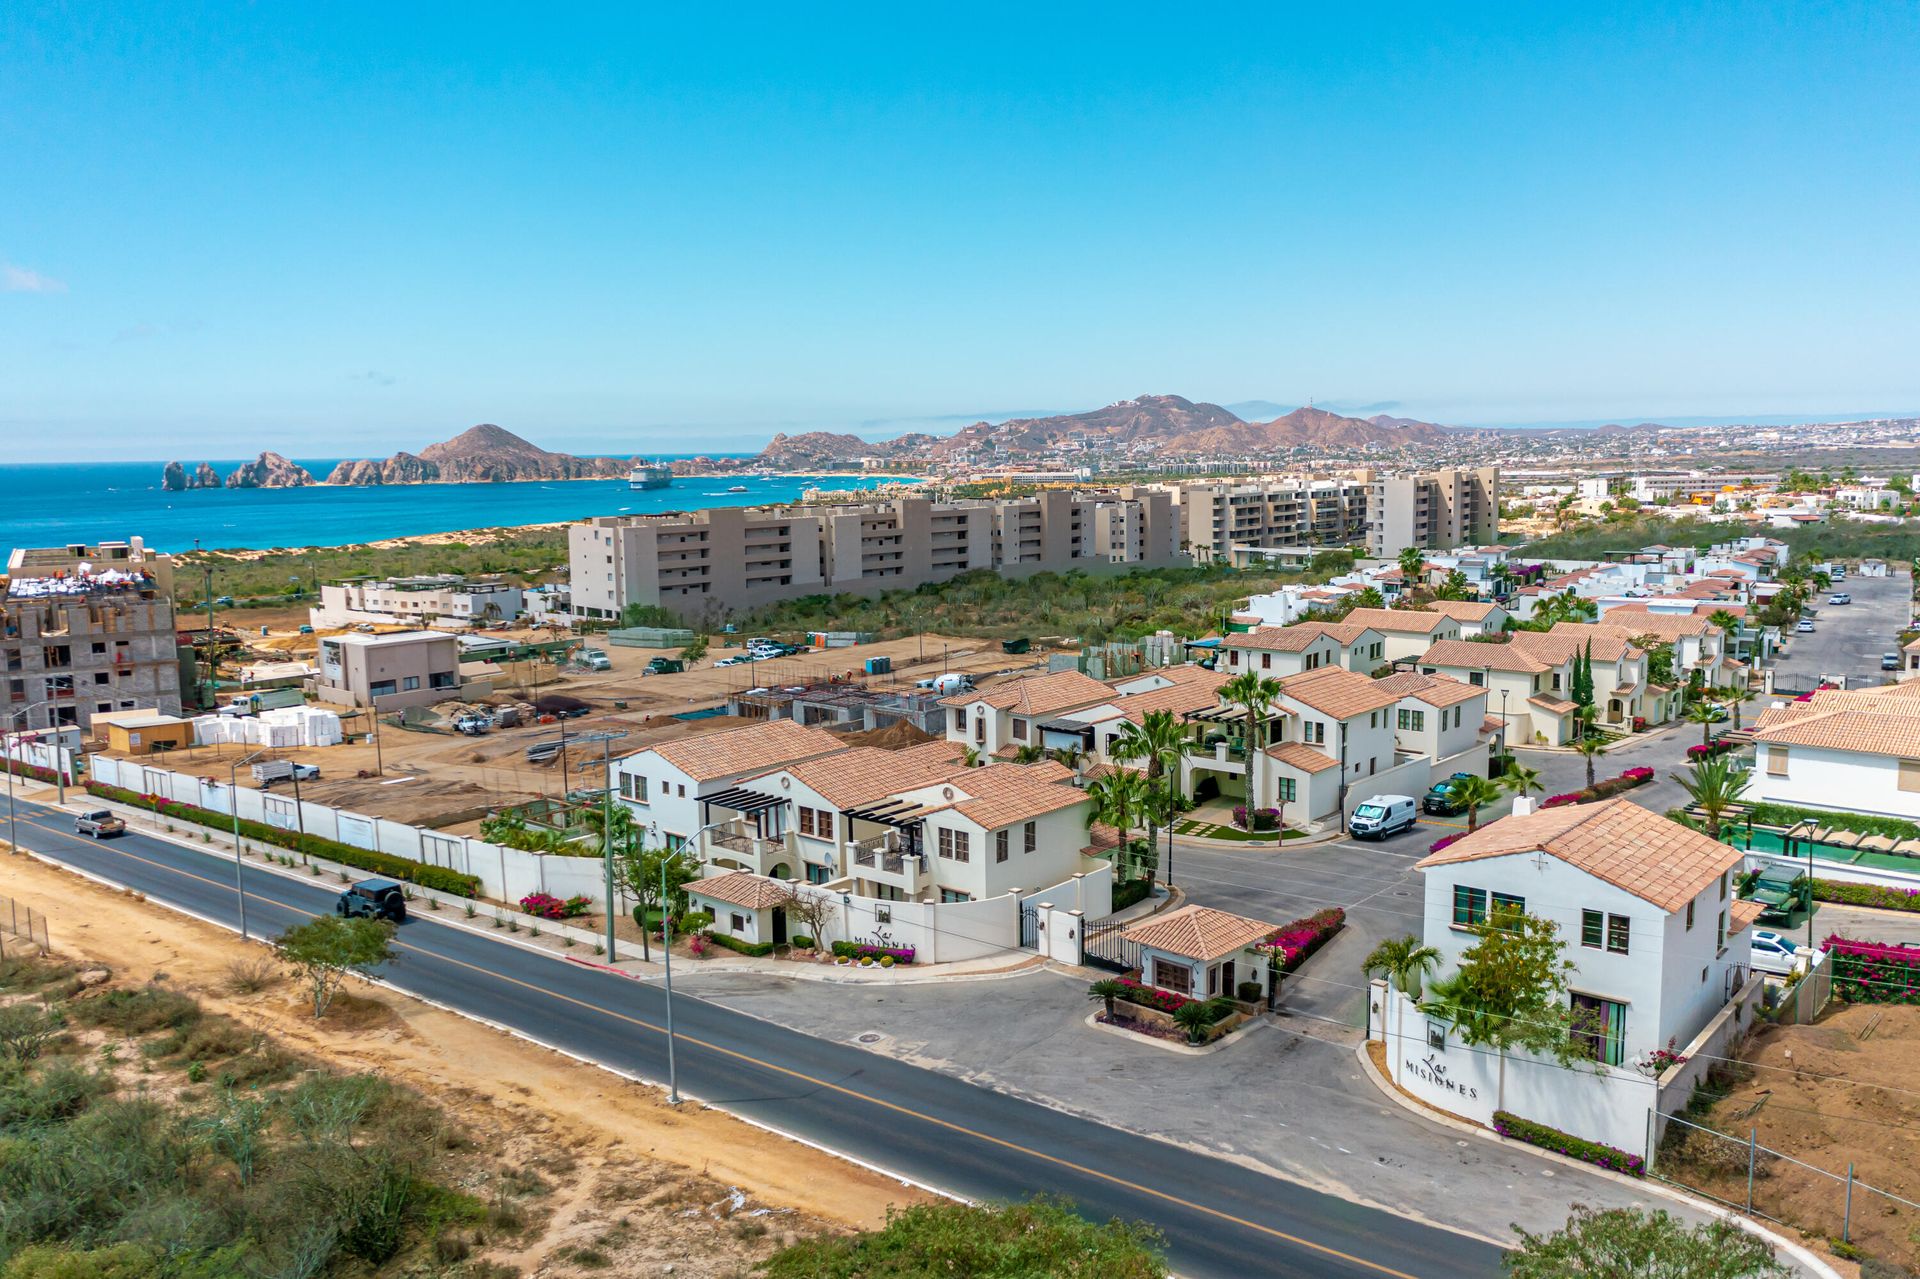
(339, 229)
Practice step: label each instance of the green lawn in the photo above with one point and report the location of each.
(1212, 830)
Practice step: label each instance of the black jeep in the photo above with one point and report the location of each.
(375, 899)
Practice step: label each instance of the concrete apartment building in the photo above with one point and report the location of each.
(445, 599)
(1276, 511)
(388, 672)
(87, 630)
(717, 561)
(1433, 510)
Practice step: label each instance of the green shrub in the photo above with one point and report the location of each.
(802, 941)
(1125, 895)
(744, 947)
(401, 868)
(1043, 1237)
(1593, 1152)
(1784, 815)
(1878, 896)
(138, 1012)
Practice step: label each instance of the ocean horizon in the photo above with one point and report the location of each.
(60, 503)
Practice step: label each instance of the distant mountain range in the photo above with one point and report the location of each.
(479, 454)
(1155, 424)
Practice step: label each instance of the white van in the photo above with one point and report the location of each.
(1383, 815)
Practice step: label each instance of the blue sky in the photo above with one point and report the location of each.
(338, 229)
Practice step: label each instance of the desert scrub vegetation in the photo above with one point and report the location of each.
(269, 576)
(146, 1138)
(1092, 608)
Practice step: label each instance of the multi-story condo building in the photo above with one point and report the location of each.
(86, 630)
(1433, 510)
(440, 599)
(712, 562)
(1272, 511)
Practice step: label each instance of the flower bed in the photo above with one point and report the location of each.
(860, 950)
(1292, 945)
(1445, 840)
(547, 906)
(1878, 896)
(1867, 972)
(1557, 801)
(1598, 1153)
(755, 948)
(1709, 749)
(1605, 788)
(1256, 819)
(1151, 996)
(20, 768)
(436, 877)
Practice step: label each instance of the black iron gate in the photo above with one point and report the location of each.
(1029, 927)
(1102, 946)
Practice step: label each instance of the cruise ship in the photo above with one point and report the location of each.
(649, 475)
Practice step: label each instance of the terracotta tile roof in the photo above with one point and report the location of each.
(1492, 724)
(737, 752)
(1037, 694)
(1881, 726)
(1567, 639)
(1554, 704)
(1911, 646)
(1007, 793)
(1190, 673)
(1639, 851)
(1399, 620)
(1346, 634)
(1666, 625)
(1435, 690)
(1277, 639)
(1188, 695)
(865, 773)
(741, 888)
(1462, 610)
(1337, 691)
(1300, 756)
(1742, 915)
(1467, 655)
(1198, 932)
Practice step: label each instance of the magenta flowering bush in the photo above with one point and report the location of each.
(1152, 996)
(1560, 801)
(1637, 775)
(1445, 840)
(1256, 819)
(547, 906)
(1288, 947)
(1867, 972)
(1879, 896)
(1598, 1153)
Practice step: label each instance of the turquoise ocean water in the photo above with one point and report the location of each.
(54, 504)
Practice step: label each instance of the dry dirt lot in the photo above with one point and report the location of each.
(636, 1186)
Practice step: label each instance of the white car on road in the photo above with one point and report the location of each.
(1773, 953)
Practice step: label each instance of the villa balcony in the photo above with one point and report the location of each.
(883, 860)
(737, 846)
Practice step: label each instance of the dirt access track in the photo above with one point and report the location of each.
(489, 1079)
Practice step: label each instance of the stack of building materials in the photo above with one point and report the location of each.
(284, 728)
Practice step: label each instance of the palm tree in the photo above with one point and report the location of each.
(1726, 620)
(1413, 561)
(1405, 963)
(1473, 793)
(1715, 784)
(1029, 754)
(1733, 698)
(972, 757)
(1107, 989)
(1160, 741)
(1501, 575)
(1706, 714)
(1120, 800)
(1521, 780)
(1255, 694)
(1592, 746)
(1195, 1016)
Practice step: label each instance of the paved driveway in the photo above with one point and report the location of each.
(1849, 639)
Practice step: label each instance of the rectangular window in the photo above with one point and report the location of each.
(1476, 678)
(381, 689)
(959, 720)
(1413, 721)
(443, 679)
(806, 820)
(1618, 928)
(1314, 732)
(1469, 905)
(1033, 836)
(1506, 903)
(1266, 661)
(954, 895)
(409, 683)
(1020, 729)
(1592, 929)
(1689, 916)
(1177, 978)
(1910, 774)
(1776, 761)
(1720, 931)
(633, 787)
(737, 921)
(1287, 795)
(1600, 1028)
(1000, 842)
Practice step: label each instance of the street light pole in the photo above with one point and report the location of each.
(666, 958)
(233, 803)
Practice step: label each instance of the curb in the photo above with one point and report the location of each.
(1153, 1041)
(1800, 1254)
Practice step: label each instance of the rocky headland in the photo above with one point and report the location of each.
(480, 454)
(268, 471)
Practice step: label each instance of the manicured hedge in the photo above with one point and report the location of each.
(754, 948)
(20, 768)
(1511, 1125)
(1134, 890)
(1786, 815)
(1867, 972)
(1878, 896)
(860, 950)
(1605, 788)
(435, 877)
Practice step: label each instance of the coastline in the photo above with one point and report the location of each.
(882, 476)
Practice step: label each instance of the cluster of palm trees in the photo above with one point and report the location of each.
(1144, 798)
(1473, 792)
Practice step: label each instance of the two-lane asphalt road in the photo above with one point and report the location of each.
(1220, 1219)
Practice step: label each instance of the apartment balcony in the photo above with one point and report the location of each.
(883, 860)
(738, 846)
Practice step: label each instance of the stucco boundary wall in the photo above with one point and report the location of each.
(505, 874)
(1416, 775)
(47, 755)
(1714, 1041)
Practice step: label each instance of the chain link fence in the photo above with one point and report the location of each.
(22, 923)
(1738, 1171)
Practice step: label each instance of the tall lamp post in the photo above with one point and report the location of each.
(666, 957)
(606, 740)
(233, 802)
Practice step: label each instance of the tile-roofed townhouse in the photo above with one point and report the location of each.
(1408, 631)
(1527, 690)
(1437, 716)
(1646, 912)
(1698, 645)
(1280, 651)
(1088, 727)
(1621, 691)
(1476, 617)
(663, 784)
(1008, 715)
(1330, 730)
(1853, 751)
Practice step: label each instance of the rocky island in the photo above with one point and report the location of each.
(480, 454)
(268, 471)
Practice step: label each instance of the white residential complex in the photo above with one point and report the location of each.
(1431, 510)
(442, 599)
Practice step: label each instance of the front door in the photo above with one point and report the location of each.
(779, 925)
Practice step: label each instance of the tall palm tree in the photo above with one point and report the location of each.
(1592, 746)
(1734, 698)
(1405, 962)
(1121, 799)
(1473, 793)
(1521, 780)
(1413, 561)
(1160, 742)
(1726, 620)
(1255, 694)
(1706, 714)
(1715, 784)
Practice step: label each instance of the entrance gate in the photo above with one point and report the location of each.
(1102, 946)
(1029, 927)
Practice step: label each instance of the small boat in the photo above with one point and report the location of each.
(738, 488)
(649, 475)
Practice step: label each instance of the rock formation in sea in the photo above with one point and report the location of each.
(174, 478)
(269, 471)
(478, 454)
(205, 477)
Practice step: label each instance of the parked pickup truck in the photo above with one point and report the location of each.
(1780, 892)
(284, 770)
(99, 824)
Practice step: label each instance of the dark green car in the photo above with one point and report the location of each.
(1439, 798)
